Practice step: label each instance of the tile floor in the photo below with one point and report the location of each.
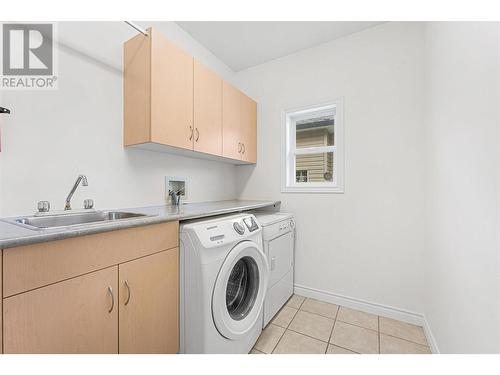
(309, 326)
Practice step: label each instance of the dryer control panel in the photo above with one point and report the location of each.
(277, 229)
(287, 225)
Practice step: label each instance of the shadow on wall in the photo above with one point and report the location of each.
(206, 179)
(89, 59)
(243, 175)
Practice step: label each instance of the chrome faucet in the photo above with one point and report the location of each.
(81, 178)
(175, 195)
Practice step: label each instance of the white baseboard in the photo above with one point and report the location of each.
(430, 337)
(372, 308)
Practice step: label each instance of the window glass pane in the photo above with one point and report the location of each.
(301, 175)
(314, 167)
(315, 132)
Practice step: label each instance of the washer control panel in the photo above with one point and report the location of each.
(238, 227)
(217, 232)
(251, 223)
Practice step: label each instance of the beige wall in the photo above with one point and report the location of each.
(368, 242)
(461, 279)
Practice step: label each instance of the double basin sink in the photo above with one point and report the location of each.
(58, 221)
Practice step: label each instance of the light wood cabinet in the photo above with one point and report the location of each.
(33, 266)
(174, 103)
(249, 129)
(112, 292)
(239, 125)
(73, 316)
(207, 110)
(1, 310)
(231, 104)
(158, 92)
(149, 304)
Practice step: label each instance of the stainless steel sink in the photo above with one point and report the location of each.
(72, 219)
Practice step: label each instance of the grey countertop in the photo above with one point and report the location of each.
(12, 235)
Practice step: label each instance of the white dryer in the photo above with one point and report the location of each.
(224, 276)
(278, 231)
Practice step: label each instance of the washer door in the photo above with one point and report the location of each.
(239, 290)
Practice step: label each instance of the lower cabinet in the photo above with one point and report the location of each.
(73, 316)
(132, 307)
(149, 304)
(1, 296)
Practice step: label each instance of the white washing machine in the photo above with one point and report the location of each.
(278, 232)
(224, 276)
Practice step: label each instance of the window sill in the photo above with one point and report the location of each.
(313, 190)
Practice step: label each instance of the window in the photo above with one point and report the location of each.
(301, 175)
(314, 150)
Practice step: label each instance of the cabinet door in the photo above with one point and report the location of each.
(171, 93)
(249, 129)
(231, 129)
(1, 330)
(72, 316)
(207, 110)
(137, 90)
(149, 304)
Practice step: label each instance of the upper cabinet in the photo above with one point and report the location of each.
(174, 103)
(158, 92)
(248, 118)
(239, 124)
(231, 107)
(207, 110)
(171, 82)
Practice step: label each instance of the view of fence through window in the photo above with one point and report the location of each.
(315, 132)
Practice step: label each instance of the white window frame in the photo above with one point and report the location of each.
(289, 150)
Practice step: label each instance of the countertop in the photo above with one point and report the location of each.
(12, 235)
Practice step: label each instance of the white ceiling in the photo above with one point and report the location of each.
(245, 44)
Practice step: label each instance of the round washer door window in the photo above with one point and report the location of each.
(240, 290)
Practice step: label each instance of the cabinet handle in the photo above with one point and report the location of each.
(128, 293)
(191, 130)
(239, 147)
(110, 291)
(243, 148)
(197, 135)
